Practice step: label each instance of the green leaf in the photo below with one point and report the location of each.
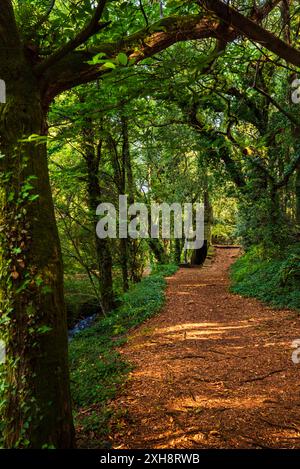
(33, 197)
(46, 289)
(11, 196)
(44, 329)
(109, 65)
(97, 59)
(122, 58)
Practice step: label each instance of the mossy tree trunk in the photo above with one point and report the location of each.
(297, 190)
(103, 252)
(92, 155)
(158, 250)
(124, 242)
(37, 409)
(133, 266)
(178, 246)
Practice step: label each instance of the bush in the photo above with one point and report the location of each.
(275, 281)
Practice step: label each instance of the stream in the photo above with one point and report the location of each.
(81, 325)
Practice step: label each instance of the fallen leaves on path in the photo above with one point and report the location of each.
(212, 370)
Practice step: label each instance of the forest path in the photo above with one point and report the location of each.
(212, 370)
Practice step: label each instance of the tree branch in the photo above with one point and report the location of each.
(46, 15)
(9, 35)
(67, 67)
(73, 69)
(271, 100)
(143, 12)
(252, 30)
(295, 163)
(231, 166)
(260, 13)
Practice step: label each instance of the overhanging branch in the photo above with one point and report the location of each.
(74, 70)
(68, 67)
(249, 28)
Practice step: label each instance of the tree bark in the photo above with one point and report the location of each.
(131, 244)
(178, 245)
(297, 190)
(124, 242)
(37, 410)
(158, 251)
(199, 255)
(103, 252)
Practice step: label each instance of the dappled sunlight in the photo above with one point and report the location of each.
(288, 434)
(187, 326)
(192, 331)
(199, 401)
(197, 330)
(195, 285)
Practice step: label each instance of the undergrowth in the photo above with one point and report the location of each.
(273, 280)
(97, 369)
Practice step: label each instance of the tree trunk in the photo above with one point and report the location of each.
(297, 190)
(37, 408)
(124, 262)
(199, 255)
(104, 258)
(158, 250)
(124, 242)
(131, 244)
(296, 136)
(177, 250)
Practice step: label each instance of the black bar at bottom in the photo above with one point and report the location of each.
(146, 458)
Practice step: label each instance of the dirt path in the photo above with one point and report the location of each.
(213, 370)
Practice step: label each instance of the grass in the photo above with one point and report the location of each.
(97, 369)
(274, 281)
